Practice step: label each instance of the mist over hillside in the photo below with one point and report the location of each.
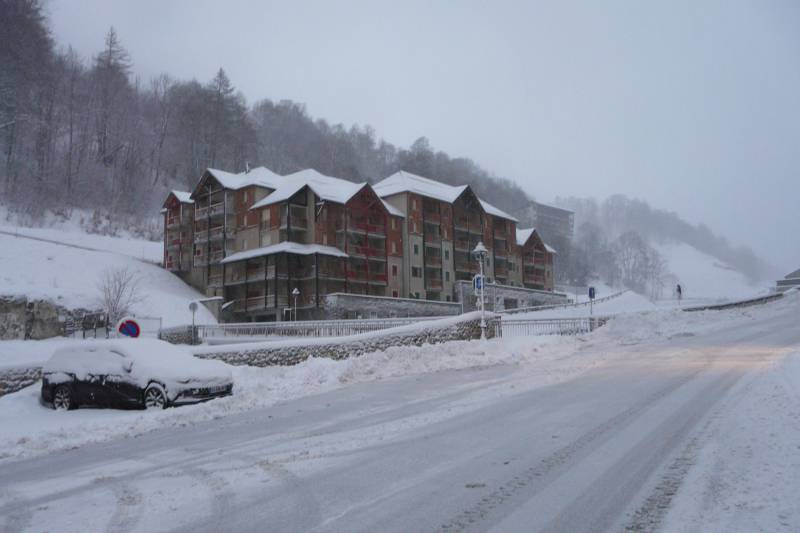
(600, 224)
(88, 133)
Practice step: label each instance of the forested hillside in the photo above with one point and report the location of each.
(616, 240)
(88, 133)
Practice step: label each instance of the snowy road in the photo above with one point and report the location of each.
(476, 449)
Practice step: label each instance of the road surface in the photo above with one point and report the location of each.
(470, 450)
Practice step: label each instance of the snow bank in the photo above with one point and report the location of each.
(69, 276)
(25, 354)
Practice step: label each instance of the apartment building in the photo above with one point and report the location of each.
(178, 211)
(442, 226)
(537, 259)
(319, 235)
(270, 244)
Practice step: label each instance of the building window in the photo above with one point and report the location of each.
(416, 249)
(416, 272)
(394, 223)
(395, 294)
(447, 297)
(394, 247)
(394, 270)
(416, 295)
(414, 208)
(446, 275)
(447, 254)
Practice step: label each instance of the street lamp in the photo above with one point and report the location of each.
(193, 308)
(480, 252)
(295, 293)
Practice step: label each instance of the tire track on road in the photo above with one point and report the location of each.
(535, 478)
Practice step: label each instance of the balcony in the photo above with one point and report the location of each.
(216, 257)
(215, 281)
(368, 227)
(331, 274)
(463, 245)
(433, 283)
(466, 266)
(378, 279)
(173, 222)
(433, 237)
(175, 242)
(433, 261)
(357, 275)
(212, 210)
(377, 254)
(432, 217)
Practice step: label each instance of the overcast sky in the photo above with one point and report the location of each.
(692, 106)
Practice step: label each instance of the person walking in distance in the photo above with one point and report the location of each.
(679, 292)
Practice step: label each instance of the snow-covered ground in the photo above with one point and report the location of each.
(628, 302)
(665, 418)
(69, 276)
(30, 428)
(704, 278)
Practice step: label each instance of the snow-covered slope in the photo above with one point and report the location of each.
(628, 302)
(68, 274)
(704, 277)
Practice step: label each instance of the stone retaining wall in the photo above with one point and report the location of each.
(14, 379)
(344, 306)
(179, 335)
(497, 295)
(21, 318)
(294, 352)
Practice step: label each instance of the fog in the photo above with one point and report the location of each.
(690, 106)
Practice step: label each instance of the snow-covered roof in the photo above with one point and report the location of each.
(793, 275)
(403, 181)
(326, 187)
(550, 248)
(492, 210)
(261, 176)
(183, 197)
(285, 247)
(392, 209)
(523, 235)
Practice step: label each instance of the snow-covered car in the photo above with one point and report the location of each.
(131, 373)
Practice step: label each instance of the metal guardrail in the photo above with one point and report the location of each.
(547, 326)
(306, 328)
(560, 306)
(739, 303)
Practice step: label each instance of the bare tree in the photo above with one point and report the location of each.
(119, 292)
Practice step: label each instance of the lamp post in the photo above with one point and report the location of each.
(480, 252)
(193, 309)
(295, 293)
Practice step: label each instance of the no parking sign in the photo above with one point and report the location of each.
(128, 327)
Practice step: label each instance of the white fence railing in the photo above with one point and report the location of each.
(560, 306)
(305, 328)
(547, 326)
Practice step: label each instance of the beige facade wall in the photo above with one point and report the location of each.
(448, 271)
(247, 239)
(395, 283)
(416, 285)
